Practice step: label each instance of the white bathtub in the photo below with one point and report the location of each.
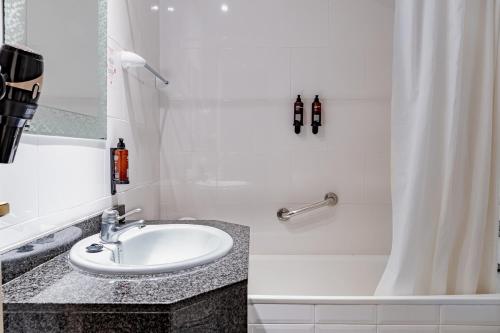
(322, 294)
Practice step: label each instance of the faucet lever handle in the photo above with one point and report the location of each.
(133, 211)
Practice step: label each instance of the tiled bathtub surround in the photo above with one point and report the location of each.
(331, 293)
(228, 149)
(439, 316)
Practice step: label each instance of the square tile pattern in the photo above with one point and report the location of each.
(228, 148)
(373, 318)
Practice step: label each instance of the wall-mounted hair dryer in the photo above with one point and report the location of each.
(21, 78)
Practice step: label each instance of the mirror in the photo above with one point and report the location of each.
(71, 36)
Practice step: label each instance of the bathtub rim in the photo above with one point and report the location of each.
(480, 299)
(296, 298)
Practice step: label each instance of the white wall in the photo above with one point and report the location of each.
(228, 149)
(56, 181)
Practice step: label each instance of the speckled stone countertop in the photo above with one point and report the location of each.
(57, 284)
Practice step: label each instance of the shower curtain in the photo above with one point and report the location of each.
(445, 148)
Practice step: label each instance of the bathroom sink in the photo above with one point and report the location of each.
(153, 249)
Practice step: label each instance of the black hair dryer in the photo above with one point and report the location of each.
(21, 78)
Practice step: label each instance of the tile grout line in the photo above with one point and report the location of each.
(440, 320)
(314, 316)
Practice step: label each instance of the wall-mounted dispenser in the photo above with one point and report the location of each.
(298, 114)
(118, 165)
(21, 78)
(316, 115)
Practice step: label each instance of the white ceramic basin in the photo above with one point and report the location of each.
(154, 249)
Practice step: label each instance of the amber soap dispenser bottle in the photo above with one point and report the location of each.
(120, 158)
(298, 114)
(316, 115)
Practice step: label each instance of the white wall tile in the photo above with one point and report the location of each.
(407, 314)
(378, 16)
(202, 23)
(190, 126)
(192, 72)
(361, 42)
(233, 87)
(304, 24)
(117, 101)
(280, 313)
(470, 314)
(240, 178)
(205, 127)
(189, 185)
(407, 329)
(176, 128)
(377, 177)
(346, 314)
(278, 328)
(70, 173)
(341, 230)
(325, 328)
(134, 26)
(118, 24)
(191, 168)
(273, 133)
(377, 153)
(357, 64)
(469, 329)
(333, 72)
(254, 73)
(145, 197)
(238, 127)
(19, 183)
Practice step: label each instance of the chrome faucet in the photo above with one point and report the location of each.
(110, 227)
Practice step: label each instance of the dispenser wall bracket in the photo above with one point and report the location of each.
(112, 170)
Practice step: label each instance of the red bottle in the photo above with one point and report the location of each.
(120, 156)
(298, 114)
(316, 115)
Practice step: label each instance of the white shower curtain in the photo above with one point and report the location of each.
(445, 148)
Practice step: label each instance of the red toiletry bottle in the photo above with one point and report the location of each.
(121, 163)
(298, 114)
(316, 115)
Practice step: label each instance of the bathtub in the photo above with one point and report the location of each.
(331, 294)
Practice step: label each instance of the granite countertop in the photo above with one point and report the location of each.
(58, 284)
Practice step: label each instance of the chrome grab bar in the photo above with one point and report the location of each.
(331, 199)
